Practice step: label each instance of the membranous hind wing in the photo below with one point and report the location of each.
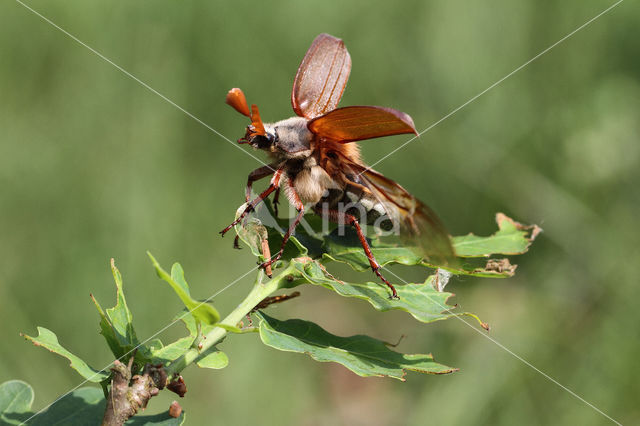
(417, 222)
(321, 78)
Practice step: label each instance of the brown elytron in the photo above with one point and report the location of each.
(317, 162)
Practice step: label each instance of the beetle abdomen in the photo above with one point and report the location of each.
(363, 207)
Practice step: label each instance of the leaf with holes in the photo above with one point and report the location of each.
(512, 238)
(422, 300)
(48, 340)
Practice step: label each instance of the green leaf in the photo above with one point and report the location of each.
(116, 324)
(108, 332)
(169, 353)
(47, 339)
(16, 398)
(511, 238)
(203, 312)
(422, 300)
(213, 358)
(216, 360)
(355, 257)
(84, 406)
(363, 355)
(120, 315)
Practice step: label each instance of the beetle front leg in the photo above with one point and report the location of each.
(300, 208)
(275, 183)
(257, 174)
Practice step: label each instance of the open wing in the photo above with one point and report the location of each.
(321, 78)
(418, 223)
(356, 123)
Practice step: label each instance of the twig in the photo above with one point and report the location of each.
(130, 394)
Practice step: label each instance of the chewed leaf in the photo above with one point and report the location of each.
(47, 339)
(116, 324)
(251, 232)
(422, 300)
(482, 267)
(352, 254)
(108, 332)
(202, 311)
(361, 354)
(511, 238)
(120, 315)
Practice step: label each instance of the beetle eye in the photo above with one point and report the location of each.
(262, 142)
(273, 137)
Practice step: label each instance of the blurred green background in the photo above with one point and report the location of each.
(94, 166)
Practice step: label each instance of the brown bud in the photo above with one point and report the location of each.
(175, 409)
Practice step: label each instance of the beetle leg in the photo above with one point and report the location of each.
(276, 202)
(257, 174)
(300, 208)
(342, 217)
(275, 182)
(236, 243)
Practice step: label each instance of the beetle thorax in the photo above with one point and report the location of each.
(292, 138)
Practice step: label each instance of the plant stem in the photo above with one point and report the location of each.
(259, 291)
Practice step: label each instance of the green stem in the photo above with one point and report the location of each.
(259, 291)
